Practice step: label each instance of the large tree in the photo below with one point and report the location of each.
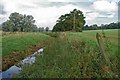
(19, 22)
(72, 21)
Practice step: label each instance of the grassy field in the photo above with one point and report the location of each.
(111, 40)
(18, 45)
(75, 55)
(17, 42)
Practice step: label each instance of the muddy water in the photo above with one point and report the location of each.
(16, 69)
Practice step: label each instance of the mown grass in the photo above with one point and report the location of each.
(20, 41)
(71, 57)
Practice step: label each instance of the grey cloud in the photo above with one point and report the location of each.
(44, 4)
(119, 11)
(78, 0)
(102, 17)
(51, 4)
(69, 0)
(105, 14)
(2, 19)
(25, 6)
(2, 11)
(105, 20)
(59, 4)
(82, 4)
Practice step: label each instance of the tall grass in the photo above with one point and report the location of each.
(69, 58)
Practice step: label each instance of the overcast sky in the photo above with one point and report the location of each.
(46, 12)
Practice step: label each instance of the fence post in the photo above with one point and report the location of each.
(102, 48)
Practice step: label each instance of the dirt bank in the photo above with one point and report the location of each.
(15, 57)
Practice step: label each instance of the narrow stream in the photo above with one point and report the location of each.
(16, 69)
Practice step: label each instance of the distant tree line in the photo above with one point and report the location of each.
(102, 26)
(72, 21)
(42, 29)
(21, 23)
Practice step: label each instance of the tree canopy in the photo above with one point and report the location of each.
(72, 21)
(19, 22)
(47, 29)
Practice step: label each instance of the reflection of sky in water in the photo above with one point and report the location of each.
(10, 72)
(16, 70)
(28, 60)
(40, 50)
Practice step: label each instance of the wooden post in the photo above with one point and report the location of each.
(102, 48)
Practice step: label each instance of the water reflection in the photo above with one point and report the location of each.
(16, 69)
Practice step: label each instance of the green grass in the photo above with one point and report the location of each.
(20, 41)
(0, 43)
(90, 35)
(90, 38)
(75, 56)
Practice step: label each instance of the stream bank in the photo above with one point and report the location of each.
(15, 57)
(16, 69)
